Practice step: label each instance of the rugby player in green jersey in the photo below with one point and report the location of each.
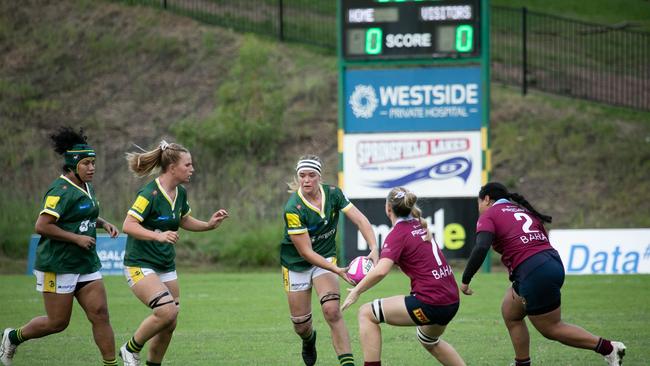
(308, 256)
(152, 223)
(67, 265)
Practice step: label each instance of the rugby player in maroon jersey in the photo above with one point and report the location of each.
(512, 226)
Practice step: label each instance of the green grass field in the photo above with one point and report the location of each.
(242, 319)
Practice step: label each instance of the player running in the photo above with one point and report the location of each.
(308, 256)
(510, 224)
(152, 223)
(67, 265)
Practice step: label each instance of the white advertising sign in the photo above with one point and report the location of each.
(432, 164)
(603, 251)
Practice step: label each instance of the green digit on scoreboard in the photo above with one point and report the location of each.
(464, 38)
(374, 39)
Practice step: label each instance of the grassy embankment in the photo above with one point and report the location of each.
(247, 107)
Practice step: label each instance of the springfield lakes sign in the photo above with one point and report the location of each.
(433, 164)
(415, 99)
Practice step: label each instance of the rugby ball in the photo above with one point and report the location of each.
(359, 268)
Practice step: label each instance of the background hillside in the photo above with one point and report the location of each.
(247, 107)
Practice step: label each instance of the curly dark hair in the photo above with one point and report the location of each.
(66, 137)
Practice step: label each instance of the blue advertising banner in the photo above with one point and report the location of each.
(110, 252)
(413, 99)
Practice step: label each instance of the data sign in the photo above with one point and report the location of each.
(425, 29)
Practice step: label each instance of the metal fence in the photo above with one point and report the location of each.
(305, 21)
(597, 62)
(563, 56)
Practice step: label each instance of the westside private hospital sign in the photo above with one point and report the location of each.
(413, 99)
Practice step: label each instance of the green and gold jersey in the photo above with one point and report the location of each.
(76, 211)
(157, 212)
(320, 222)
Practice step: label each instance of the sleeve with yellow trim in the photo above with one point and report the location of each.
(340, 200)
(186, 209)
(142, 205)
(293, 223)
(55, 202)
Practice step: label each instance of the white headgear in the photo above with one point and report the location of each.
(308, 164)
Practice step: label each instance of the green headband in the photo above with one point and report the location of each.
(76, 154)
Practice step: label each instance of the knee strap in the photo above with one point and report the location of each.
(378, 310)
(425, 339)
(301, 319)
(155, 302)
(329, 297)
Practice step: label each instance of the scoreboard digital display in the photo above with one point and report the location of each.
(423, 29)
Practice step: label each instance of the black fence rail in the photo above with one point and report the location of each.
(591, 61)
(608, 64)
(303, 21)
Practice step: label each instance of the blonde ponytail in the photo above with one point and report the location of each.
(158, 159)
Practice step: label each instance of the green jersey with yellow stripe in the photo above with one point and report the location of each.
(320, 223)
(76, 211)
(155, 211)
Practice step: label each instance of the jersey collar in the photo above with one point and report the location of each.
(407, 218)
(86, 192)
(162, 190)
(320, 211)
(502, 200)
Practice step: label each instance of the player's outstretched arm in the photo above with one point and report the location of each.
(484, 241)
(372, 278)
(302, 242)
(193, 224)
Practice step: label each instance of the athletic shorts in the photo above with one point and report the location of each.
(427, 314)
(63, 283)
(301, 281)
(540, 288)
(135, 274)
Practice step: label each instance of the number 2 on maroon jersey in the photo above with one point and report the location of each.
(527, 224)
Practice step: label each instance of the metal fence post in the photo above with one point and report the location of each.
(524, 51)
(281, 15)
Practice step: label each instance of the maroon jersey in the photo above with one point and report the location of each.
(432, 280)
(518, 233)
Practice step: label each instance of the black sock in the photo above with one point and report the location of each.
(149, 363)
(16, 337)
(133, 346)
(346, 359)
(522, 361)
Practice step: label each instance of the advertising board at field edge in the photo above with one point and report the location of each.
(110, 252)
(603, 251)
(413, 99)
(452, 221)
(431, 164)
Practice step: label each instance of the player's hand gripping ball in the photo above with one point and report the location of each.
(359, 268)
